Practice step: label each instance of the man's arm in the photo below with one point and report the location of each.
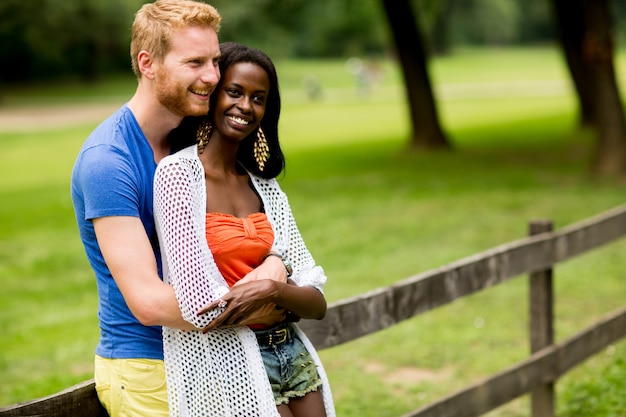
(130, 258)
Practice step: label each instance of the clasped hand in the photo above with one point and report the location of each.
(246, 304)
(248, 301)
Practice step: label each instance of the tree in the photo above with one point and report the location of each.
(302, 28)
(427, 132)
(585, 32)
(55, 39)
(435, 20)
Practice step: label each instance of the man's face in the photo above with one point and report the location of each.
(189, 72)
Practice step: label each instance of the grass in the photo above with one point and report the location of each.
(372, 214)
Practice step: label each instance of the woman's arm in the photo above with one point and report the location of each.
(254, 302)
(187, 262)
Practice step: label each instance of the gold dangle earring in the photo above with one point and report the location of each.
(203, 134)
(261, 149)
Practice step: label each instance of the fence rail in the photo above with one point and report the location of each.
(370, 312)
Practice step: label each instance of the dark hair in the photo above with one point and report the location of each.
(235, 53)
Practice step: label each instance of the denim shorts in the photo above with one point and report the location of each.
(289, 365)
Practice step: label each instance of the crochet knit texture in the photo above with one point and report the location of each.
(219, 373)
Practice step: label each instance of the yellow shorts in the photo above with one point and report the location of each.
(132, 387)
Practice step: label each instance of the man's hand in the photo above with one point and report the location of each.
(248, 303)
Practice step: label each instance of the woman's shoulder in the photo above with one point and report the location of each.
(189, 153)
(264, 182)
(269, 187)
(184, 162)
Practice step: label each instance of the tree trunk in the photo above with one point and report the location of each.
(427, 132)
(570, 23)
(587, 38)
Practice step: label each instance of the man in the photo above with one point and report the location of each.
(175, 54)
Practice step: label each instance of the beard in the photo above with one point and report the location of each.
(177, 98)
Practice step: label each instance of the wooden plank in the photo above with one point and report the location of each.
(545, 366)
(77, 401)
(597, 337)
(542, 367)
(541, 302)
(367, 313)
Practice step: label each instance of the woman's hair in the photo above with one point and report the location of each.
(155, 22)
(235, 53)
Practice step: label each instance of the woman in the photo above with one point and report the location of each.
(220, 212)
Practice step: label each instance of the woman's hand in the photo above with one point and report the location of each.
(248, 303)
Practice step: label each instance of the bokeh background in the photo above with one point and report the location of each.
(373, 208)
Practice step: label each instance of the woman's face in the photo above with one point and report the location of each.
(241, 100)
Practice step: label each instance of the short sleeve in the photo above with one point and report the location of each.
(110, 186)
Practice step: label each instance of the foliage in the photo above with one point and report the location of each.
(300, 28)
(52, 39)
(598, 393)
(371, 214)
(449, 23)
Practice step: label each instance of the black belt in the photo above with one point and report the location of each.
(274, 336)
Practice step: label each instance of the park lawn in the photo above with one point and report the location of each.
(372, 214)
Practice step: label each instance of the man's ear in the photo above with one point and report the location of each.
(146, 64)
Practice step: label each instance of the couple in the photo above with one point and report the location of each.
(212, 221)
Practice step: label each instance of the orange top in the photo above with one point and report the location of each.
(238, 244)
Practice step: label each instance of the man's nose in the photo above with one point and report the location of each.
(211, 75)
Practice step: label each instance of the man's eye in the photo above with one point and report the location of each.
(195, 62)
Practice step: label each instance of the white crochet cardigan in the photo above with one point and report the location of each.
(219, 373)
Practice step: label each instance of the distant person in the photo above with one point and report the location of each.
(313, 88)
(219, 213)
(356, 67)
(366, 74)
(174, 52)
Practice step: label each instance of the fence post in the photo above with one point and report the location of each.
(541, 324)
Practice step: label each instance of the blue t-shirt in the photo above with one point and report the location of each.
(113, 176)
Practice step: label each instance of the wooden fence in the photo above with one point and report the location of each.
(367, 313)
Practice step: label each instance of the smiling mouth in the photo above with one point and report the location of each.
(238, 120)
(203, 93)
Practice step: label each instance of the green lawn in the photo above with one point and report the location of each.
(372, 214)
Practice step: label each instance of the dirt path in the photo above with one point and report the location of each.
(33, 119)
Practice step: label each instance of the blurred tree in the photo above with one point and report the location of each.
(494, 22)
(16, 54)
(585, 32)
(536, 24)
(435, 19)
(300, 28)
(426, 129)
(483, 22)
(50, 39)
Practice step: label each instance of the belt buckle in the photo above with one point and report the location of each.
(281, 334)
